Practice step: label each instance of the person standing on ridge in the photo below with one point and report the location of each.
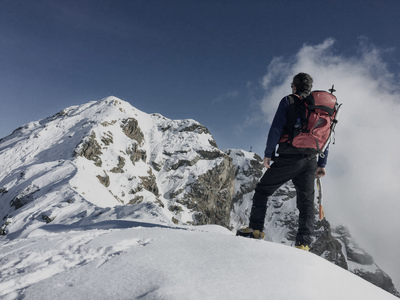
(291, 164)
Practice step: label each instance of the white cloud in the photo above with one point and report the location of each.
(362, 187)
(225, 97)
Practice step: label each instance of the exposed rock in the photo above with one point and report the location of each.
(150, 183)
(3, 191)
(26, 196)
(211, 194)
(107, 138)
(379, 278)
(213, 143)
(361, 263)
(120, 166)
(327, 246)
(105, 180)
(196, 127)
(354, 252)
(3, 230)
(175, 208)
(257, 165)
(250, 171)
(210, 155)
(136, 200)
(164, 129)
(135, 154)
(105, 123)
(185, 163)
(132, 130)
(156, 166)
(139, 188)
(47, 218)
(90, 149)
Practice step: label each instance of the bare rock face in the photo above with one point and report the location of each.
(105, 180)
(361, 263)
(132, 130)
(91, 149)
(136, 154)
(247, 172)
(150, 183)
(211, 194)
(25, 197)
(327, 246)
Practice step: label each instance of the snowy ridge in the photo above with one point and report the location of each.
(132, 260)
(107, 190)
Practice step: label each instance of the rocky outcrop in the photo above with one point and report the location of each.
(90, 149)
(247, 172)
(327, 246)
(25, 197)
(378, 278)
(149, 183)
(105, 180)
(211, 194)
(120, 166)
(361, 263)
(132, 130)
(136, 154)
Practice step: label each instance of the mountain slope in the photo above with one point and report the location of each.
(134, 260)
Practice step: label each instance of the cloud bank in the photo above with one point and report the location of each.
(362, 188)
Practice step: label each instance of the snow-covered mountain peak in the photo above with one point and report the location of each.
(107, 154)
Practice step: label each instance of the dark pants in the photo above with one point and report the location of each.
(301, 170)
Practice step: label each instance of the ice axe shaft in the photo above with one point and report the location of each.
(320, 199)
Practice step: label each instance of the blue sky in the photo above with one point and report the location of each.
(184, 59)
(226, 64)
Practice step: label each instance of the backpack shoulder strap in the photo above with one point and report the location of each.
(295, 111)
(291, 99)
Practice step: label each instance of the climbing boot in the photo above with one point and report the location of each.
(250, 233)
(299, 245)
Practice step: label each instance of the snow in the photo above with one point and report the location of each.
(137, 260)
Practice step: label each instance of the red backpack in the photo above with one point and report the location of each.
(311, 121)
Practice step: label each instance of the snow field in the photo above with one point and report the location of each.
(152, 261)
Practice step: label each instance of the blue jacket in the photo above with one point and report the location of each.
(276, 130)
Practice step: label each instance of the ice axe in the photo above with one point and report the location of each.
(319, 197)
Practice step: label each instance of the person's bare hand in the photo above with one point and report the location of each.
(320, 172)
(267, 161)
